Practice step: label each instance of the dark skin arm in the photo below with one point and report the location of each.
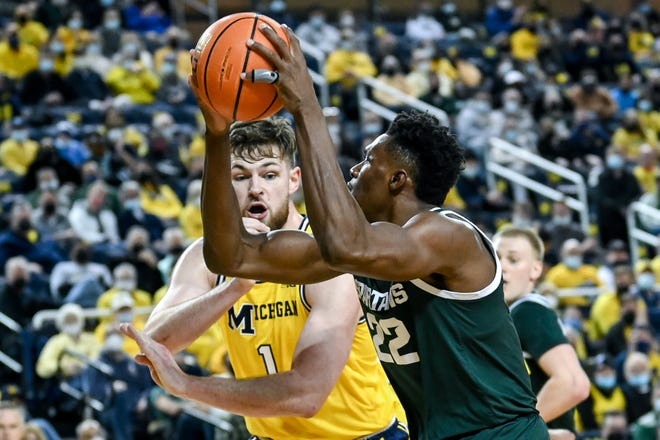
(416, 244)
(284, 256)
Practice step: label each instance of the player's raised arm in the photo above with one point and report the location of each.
(379, 228)
(229, 249)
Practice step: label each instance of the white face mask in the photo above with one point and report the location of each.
(128, 285)
(114, 342)
(125, 316)
(72, 329)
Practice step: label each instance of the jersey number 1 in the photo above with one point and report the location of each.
(266, 353)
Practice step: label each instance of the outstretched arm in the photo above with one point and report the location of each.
(193, 302)
(324, 345)
(280, 256)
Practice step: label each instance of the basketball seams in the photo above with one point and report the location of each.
(245, 64)
(208, 60)
(274, 100)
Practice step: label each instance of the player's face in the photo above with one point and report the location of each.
(264, 188)
(520, 267)
(370, 180)
(11, 425)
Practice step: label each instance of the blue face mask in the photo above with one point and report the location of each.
(640, 380)
(605, 382)
(573, 323)
(646, 281)
(573, 262)
(615, 162)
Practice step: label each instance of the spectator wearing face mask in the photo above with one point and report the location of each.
(132, 214)
(18, 151)
(175, 52)
(21, 238)
(68, 277)
(122, 310)
(125, 280)
(73, 33)
(30, 31)
(391, 74)
(559, 228)
(616, 188)
(157, 197)
(637, 386)
(483, 205)
(86, 78)
(317, 31)
(513, 122)
(45, 85)
(647, 289)
(47, 181)
(343, 69)
(17, 58)
(62, 59)
(589, 96)
(21, 296)
(606, 396)
(630, 332)
(573, 272)
(140, 253)
(617, 306)
(56, 358)
(474, 126)
(646, 427)
(646, 169)
(616, 254)
(123, 394)
(501, 17)
(110, 32)
(92, 220)
(630, 136)
(70, 148)
(51, 222)
(174, 242)
(173, 89)
(423, 26)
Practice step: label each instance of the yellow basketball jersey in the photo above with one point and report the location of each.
(262, 330)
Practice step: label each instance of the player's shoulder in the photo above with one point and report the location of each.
(532, 304)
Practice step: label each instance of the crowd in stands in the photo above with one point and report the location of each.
(102, 149)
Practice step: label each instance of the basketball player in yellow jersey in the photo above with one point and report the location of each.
(305, 364)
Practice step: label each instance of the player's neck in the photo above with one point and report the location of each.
(294, 218)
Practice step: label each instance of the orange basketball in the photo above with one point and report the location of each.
(221, 56)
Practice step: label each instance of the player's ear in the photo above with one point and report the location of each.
(294, 179)
(398, 180)
(536, 270)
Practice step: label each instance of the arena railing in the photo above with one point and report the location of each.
(43, 316)
(367, 104)
(317, 76)
(208, 8)
(579, 203)
(636, 234)
(5, 359)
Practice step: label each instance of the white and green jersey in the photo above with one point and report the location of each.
(454, 359)
(539, 330)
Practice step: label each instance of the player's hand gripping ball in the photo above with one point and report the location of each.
(219, 58)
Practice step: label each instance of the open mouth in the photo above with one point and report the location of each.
(257, 210)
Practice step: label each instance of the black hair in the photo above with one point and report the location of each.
(429, 151)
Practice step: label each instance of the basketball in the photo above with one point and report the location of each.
(219, 58)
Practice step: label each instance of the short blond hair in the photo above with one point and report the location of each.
(528, 234)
